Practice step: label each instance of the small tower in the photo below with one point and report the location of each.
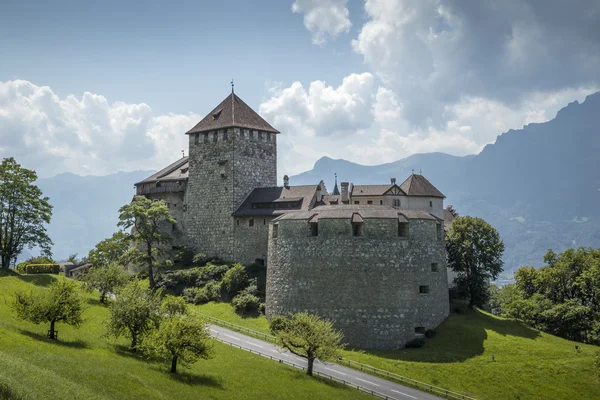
(336, 191)
(231, 151)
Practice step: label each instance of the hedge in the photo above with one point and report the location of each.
(39, 269)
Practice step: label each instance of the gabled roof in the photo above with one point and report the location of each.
(371, 190)
(418, 185)
(232, 112)
(303, 195)
(178, 171)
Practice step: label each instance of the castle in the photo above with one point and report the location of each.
(370, 258)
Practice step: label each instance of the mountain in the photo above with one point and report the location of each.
(86, 208)
(539, 186)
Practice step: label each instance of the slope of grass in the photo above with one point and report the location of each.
(481, 355)
(85, 365)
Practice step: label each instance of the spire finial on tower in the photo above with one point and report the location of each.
(336, 191)
(232, 85)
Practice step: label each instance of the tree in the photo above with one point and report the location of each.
(180, 336)
(111, 250)
(475, 253)
(23, 212)
(247, 300)
(308, 336)
(61, 302)
(234, 280)
(135, 312)
(105, 279)
(146, 217)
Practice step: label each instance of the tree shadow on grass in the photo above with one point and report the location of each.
(192, 379)
(77, 344)
(459, 338)
(125, 351)
(92, 301)
(43, 280)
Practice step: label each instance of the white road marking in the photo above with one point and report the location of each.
(253, 344)
(362, 380)
(403, 394)
(233, 337)
(337, 372)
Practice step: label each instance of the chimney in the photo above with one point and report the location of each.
(345, 191)
(393, 180)
(286, 181)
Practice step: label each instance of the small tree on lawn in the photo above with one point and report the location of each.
(146, 217)
(308, 336)
(24, 212)
(135, 312)
(181, 337)
(61, 302)
(475, 253)
(105, 279)
(110, 250)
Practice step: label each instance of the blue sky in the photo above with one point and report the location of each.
(99, 87)
(176, 56)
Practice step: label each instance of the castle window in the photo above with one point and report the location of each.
(251, 222)
(356, 202)
(369, 201)
(225, 135)
(403, 229)
(314, 228)
(196, 139)
(260, 136)
(357, 228)
(251, 135)
(423, 289)
(396, 202)
(264, 221)
(158, 184)
(205, 137)
(434, 267)
(430, 203)
(275, 230)
(268, 137)
(439, 231)
(380, 202)
(420, 330)
(238, 222)
(215, 136)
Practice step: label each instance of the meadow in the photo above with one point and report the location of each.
(83, 364)
(478, 354)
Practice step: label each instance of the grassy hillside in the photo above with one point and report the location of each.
(526, 364)
(85, 365)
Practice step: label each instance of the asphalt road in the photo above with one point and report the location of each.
(370, 382)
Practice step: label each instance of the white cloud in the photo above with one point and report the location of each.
(85, 135)
(323, 18)
(434, 53)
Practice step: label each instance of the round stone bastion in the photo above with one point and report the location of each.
(377, 272)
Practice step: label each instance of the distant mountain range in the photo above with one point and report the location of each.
(539, 186)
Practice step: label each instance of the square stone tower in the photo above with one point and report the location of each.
(231, 151)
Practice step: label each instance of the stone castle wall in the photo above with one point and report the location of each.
(369, 286)
(251, 242)
(225, 166)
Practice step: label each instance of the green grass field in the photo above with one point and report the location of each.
(85, 365)
(527, 364)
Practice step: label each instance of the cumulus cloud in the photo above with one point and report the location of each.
(85, 135)
(436, 52)
(323, 18)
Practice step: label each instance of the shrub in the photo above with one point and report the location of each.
(430, 333)
(245, 303)
(39, 269)
(415, 343)
(21, 267)
(199, 259)
(278, 324)
(189, 294)
(234, 280)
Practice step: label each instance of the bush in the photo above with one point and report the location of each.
(415, 343)
(38, 268)
(199, 259)
(278, 324)
(430, 333)
(245, 303)
(184, 256)
(234, 280)
(21, 267)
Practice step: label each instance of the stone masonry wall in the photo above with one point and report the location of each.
(225, 166)
(368, 285)
(251, 242)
